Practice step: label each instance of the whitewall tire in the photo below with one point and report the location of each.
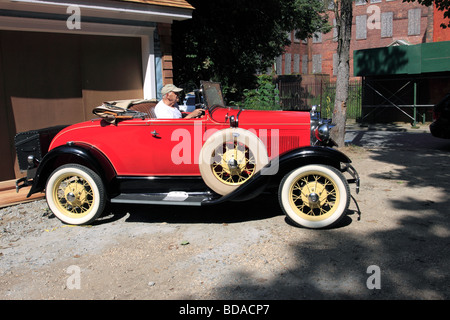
(314, 196)
(75, 194)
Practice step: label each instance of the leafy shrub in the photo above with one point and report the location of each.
(264, 97)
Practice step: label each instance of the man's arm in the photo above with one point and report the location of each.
(194, 114)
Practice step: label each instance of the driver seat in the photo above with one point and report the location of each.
(147, 107)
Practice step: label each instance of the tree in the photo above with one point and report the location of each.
(229, 40)
(343, 10)
(442, 5)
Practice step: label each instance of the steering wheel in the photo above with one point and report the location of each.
(214, 106)
(201, 114)
(200, 106)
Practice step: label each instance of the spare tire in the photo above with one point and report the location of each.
(230, 157)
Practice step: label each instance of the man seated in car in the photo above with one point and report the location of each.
(168, 108)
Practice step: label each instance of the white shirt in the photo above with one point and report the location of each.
(164, 111)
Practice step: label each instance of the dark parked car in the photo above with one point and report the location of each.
(440, 127)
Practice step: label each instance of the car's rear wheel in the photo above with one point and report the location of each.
(75, 194)
(314, 196)
(230, 157)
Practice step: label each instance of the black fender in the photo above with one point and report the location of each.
(278, 167)
(71, 153)
(309, 155)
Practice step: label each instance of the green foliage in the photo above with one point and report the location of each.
(230, 40)
(264, 97)
(328, 94)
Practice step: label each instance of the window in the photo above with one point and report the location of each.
(278, 64)
(414, 21)
(296, 40)
(305, 64)
(317, 63)
(296, 63)
(287, 63)
(335, 31)
(317, 37)
(361, 27)
(386, 24)
(335, 64)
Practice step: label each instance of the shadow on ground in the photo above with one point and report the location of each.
(262, 207)
(412, 256)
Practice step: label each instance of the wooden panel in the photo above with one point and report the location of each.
(49, 79)
(6, 131)
(9, 196)
(112, 70)
(43, 79)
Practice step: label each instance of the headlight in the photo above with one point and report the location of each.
(320, 129)
(322, 132)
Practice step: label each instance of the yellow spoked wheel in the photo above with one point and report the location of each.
(314, 196)
(233, 163)
(75, 194)
(230, 157)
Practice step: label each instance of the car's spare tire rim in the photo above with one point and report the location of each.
(230, 157)
(233, 163)
(73, 195)
(314, 196)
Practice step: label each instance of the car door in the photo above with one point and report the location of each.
(175, 145)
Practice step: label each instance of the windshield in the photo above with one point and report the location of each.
(212, 94)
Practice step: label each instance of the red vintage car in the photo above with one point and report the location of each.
(228, 154)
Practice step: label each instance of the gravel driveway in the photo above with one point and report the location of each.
(393, 244)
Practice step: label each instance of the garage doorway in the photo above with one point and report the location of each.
(49, 79)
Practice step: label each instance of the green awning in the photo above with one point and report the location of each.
(413, 59)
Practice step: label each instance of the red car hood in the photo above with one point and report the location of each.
(262, 117)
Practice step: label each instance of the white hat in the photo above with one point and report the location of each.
(169, 88)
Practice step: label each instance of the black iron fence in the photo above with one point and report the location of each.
(298, 96)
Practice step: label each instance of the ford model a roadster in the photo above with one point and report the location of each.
(228, 154)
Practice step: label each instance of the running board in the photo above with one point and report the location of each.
(177, 198)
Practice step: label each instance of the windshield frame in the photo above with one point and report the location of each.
(212, 94)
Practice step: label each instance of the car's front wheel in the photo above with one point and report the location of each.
(314, 196)
(75, 194)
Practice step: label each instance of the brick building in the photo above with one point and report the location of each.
(403, 60)
(376, 23)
